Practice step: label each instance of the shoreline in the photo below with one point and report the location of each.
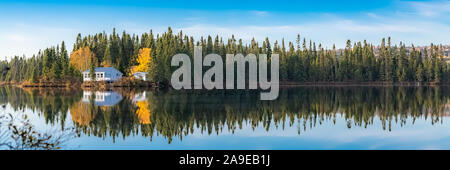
(128, 83)
(369, 84)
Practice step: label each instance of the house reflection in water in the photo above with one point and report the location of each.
(105, 98)
(140, 97)
(143, 111)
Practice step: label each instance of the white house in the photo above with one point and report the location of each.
(103, 74)
(141, 75)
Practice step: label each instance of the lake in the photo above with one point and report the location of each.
(301, 118)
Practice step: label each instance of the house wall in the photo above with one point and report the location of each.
(106, 76)
(140, 76)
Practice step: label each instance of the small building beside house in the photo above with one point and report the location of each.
(103, 74)
(141, 75)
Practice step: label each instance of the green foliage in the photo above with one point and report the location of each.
(52, 63)
(92, 70)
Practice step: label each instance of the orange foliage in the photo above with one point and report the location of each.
(143, 112)
(143, 60)
(81, 58)
(106, 63)
(81, 113)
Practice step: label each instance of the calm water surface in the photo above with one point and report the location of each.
(301, 118)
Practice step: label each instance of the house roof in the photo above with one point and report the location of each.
(104, 69)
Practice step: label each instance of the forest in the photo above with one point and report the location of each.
(300, 61)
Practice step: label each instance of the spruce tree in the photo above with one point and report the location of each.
(92, 74)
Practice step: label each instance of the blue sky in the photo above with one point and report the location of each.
(27, 26)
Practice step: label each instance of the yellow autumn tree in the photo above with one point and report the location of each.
(81, 58)
(143, 61)
(143, 112)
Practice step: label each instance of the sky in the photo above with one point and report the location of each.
(27, 26)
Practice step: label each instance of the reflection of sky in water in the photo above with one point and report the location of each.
(420, 135)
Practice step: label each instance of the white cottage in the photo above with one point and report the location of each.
(103, 74)
(141, 75)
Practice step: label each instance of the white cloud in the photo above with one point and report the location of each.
(26, 39)
(260, 13)
(431, 9)
(372, 15)
(18, 38)
(428, 22)
(328, 32)
(411, 22)
(369, 28)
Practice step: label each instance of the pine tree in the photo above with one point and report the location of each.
(419, 73)
(92, 75)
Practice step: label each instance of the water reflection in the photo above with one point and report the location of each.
(177, 114)
(102, 98)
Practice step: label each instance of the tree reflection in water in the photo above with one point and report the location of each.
(177, 114)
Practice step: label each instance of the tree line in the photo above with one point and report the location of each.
(51, 63)
(300, 61)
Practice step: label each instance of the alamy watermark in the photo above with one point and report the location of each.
(256, 75)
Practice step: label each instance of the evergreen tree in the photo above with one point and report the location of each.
(92, 74)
